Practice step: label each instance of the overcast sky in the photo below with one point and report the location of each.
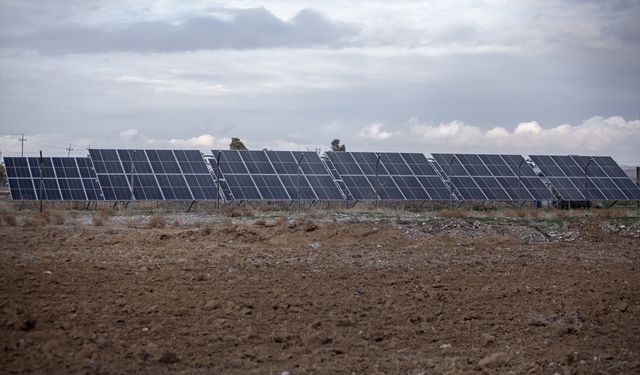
(527, 76)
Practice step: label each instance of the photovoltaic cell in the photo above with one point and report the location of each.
(493, 177)
(273, 176)
(587, 177)
(400, 176)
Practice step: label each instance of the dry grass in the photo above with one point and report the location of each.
(157, 221)
(206, 230)
(227, 222)
(237, 212)
(54, 217)
(260, 223)
(9, 219)
(456, 213)
(611, 213)
(46, 217)
(518, 213)
(102, 217)
(304, 223)
(34, 221)
(401, 220)
(282, 221)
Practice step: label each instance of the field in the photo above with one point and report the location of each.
(343, 291)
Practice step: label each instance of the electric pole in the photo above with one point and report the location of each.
(69, 149)
(22, 141)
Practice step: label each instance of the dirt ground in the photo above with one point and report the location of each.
(419, 296)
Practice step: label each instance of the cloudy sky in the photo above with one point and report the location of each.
(527, 76)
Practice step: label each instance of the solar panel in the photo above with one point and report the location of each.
(400, 176)
(153, 175)
(63, 178)
(273, 176)
(493, 177)
(605, 181)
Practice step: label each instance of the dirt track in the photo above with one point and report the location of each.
(449, 295)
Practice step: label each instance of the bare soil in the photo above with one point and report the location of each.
(444, 295)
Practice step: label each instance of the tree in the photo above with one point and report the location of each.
(236, 144)
(336, 146)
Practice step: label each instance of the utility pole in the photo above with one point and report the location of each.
(69, 149)
(22, 141)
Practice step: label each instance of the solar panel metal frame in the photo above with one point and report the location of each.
(63, 179)
(168, 175)
(400, 177)
(606, 181)
(249, 175)
(493, 177)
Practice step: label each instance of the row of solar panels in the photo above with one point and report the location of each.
(184, 175)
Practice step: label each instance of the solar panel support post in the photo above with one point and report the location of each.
(586, 183)
(41, 162)
(375, 188)
(451, 184)
(519, 181)
(299, 200)
(133, 197)
(218, 180)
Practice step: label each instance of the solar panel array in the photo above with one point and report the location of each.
(62, 179)
(493, 177)
(273, 176)
(606, 180)
(400, 176)
(126, 175)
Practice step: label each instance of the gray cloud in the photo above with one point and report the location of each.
(244, 29)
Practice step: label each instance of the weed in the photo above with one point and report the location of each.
(457, 213)
(54, 217)
(37, 220)
(282, 221)
(237, 212)
(401, 221)
(102, 217)
(157, 221)
(611, 213)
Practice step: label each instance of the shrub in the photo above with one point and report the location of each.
(157, 221)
